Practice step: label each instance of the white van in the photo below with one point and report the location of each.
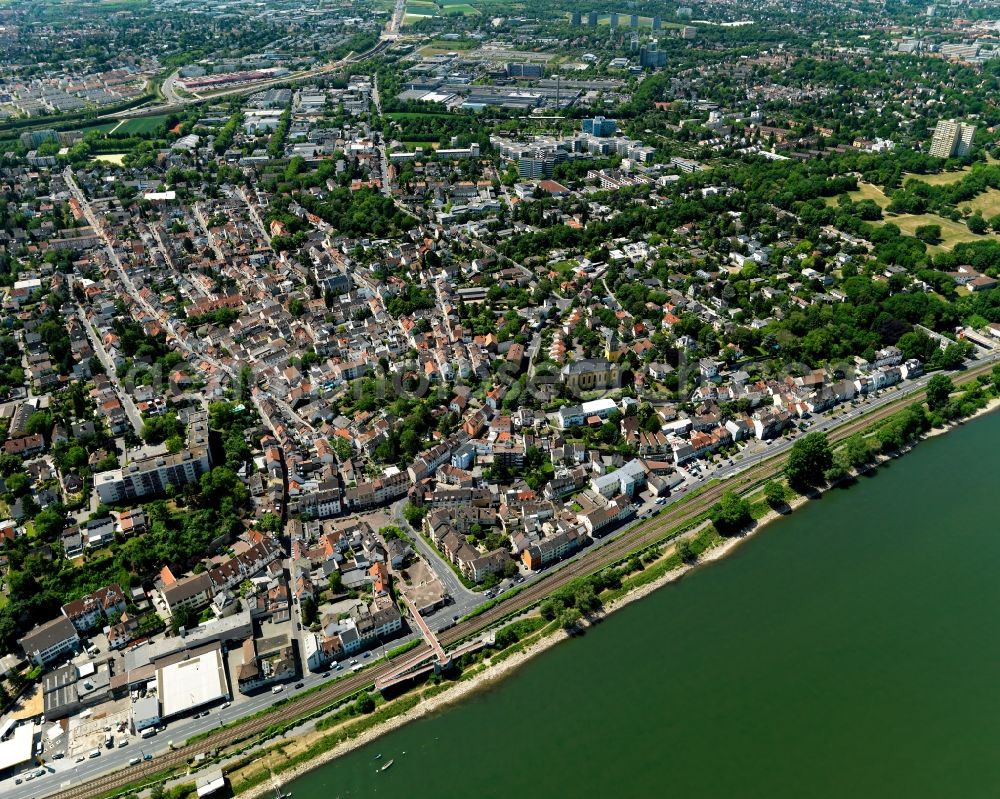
(95, 753)
(277, 689)
(135, 761)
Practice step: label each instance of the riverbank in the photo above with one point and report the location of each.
(484, 676)
(461, 689)
(990, 406)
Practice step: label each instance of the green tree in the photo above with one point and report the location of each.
(336, 582)
(18, 484)
(977, 224)
(49, 522)
(183, 619)
(774, 493)
(857, 452)
(414, 514)
(732, 512)
(364, 704)
(685, 551)
(939, 390)
(808, 461)
(270, 523)
(310, 612)
(569, 620)
(931, 234)
(39, 423)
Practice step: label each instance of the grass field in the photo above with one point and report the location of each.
(422, 9)
(142, 125)
(952, 233)
(456, 9)
(869, 191)
(414, 144)
(866, 191)
(940, 179)
(988, 203)
(111, 158)
(104, 127)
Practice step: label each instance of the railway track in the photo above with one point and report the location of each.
(657, 528)
(637, 538)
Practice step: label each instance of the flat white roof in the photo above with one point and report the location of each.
(213, 781)
(192, 683)
(593, 406)
(17, 748)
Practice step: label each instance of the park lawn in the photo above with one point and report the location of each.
(952, 233)
(142, 125)
(869, 191)
(865, 191)
(939, 179)
(988, 203)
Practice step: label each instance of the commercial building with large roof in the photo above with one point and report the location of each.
(194, 679)
(15, 744)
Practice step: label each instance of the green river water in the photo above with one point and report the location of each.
(850, 650)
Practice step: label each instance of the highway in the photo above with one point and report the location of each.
(176, 102)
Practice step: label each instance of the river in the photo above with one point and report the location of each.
(849, 650)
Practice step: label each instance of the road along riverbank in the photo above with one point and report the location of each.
(426, 701)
